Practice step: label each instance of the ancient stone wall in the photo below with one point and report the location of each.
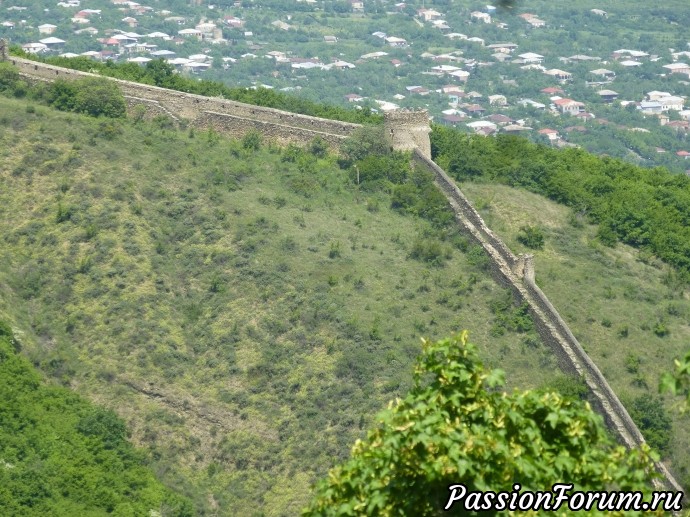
(518, 274)
(231, 117)
(406, 130)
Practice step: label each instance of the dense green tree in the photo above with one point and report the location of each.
(92, 96)
(678, 381)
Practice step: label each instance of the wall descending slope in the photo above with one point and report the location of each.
(405, 130)
(518, 274)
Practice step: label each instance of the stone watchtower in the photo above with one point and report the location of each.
(407, 129)
(3, 50)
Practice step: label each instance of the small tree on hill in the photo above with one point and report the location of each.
(531, 236)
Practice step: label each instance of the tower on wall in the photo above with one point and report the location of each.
(407, 129)
(3, 50)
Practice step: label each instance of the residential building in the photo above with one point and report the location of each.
(608, 75)
(396, 42)
(481, 17)
(47, 28)
(531, 58)
(429, 15)
(497, 100)
(551, 134)
(608, 95)
(678, 68)
(569, 106)
(560, 75)
(357, 6)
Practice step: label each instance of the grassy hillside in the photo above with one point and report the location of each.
(626, 308)
(246, 311)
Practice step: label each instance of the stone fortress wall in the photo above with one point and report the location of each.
(229, 117)
(406, 130)
(517, 273)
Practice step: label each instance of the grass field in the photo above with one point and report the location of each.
(246, 314)
(624, 307)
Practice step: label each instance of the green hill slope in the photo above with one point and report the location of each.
(624, 306)
(246, 311)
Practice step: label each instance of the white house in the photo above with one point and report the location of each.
(190, 33)
(531, 57)
(481, 17)
(34, 48)
(655, 95)
(396, 42)
(497, 100)
(672, 103)
(569, 106)
(52, 42)
(428, 14)
(678, 68)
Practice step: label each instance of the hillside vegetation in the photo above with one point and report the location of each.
(646, 208)
(611, 252)
(245, 309)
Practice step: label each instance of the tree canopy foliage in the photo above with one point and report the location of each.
(95, 97)
(455, 426)
(60, 455)
(678, 381)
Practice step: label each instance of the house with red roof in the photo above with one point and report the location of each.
(569, 106)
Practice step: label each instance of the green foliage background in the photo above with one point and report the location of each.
(645, 208)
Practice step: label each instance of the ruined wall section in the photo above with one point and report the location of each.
(518, 274)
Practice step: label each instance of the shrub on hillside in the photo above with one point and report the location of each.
(11, 82)
(91, 96)
(531, 236)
